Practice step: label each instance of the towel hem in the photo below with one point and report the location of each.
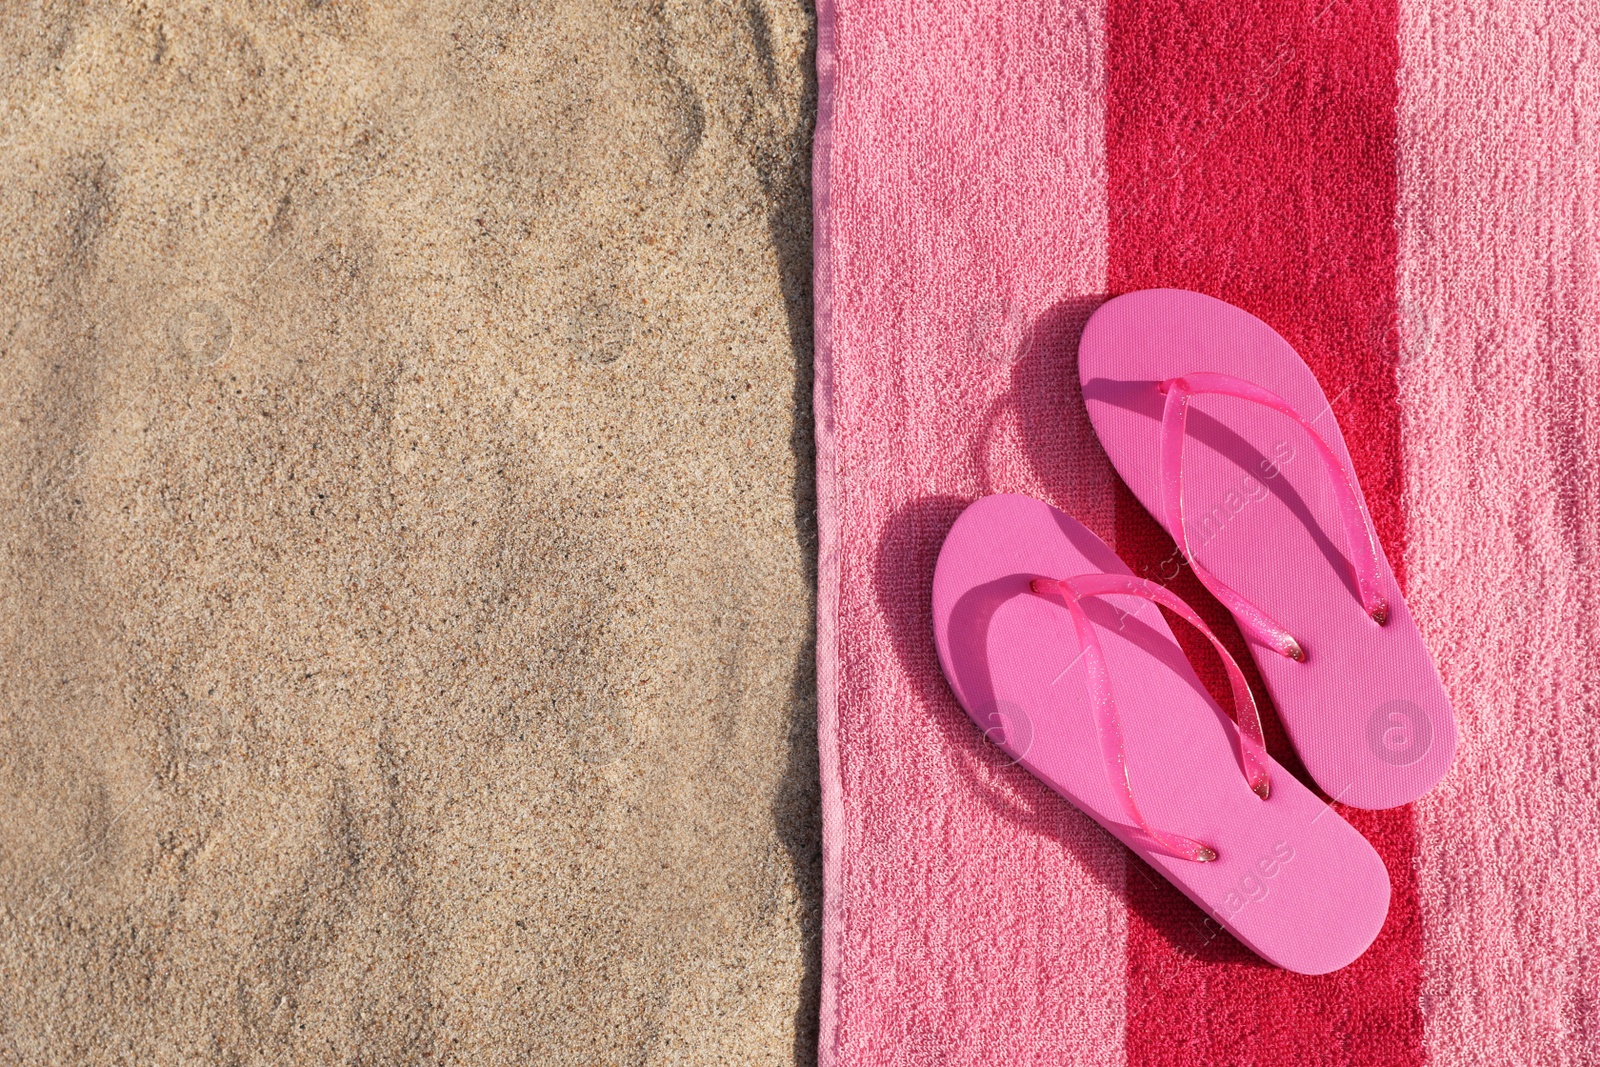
(827, 549)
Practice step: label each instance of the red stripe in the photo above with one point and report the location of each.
(1251, 154)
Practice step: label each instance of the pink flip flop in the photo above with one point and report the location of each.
(1224, 435)
(1062, 658)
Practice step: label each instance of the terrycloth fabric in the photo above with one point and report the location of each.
(960, 168)
(1251, 157)
(1408, 195)
(1499, 320)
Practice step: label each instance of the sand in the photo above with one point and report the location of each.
(406, 541)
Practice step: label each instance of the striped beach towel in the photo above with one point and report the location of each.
(1408, 193)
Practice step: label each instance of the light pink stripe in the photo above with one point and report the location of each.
(1499, 304)
(827, 539)
(971, 916)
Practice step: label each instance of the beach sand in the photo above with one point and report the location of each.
(407, 525)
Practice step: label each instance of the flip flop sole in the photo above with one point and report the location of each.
(1366, 712)
(1292, 880)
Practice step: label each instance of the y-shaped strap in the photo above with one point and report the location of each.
(1108, 722)
(1256, 623)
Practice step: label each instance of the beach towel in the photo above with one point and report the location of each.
(1407, 193)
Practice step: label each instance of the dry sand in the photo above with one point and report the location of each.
(407, 540)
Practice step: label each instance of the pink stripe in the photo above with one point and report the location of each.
(972, 916)
(1499, 321)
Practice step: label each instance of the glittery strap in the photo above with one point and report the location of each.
(1257, 624)
(1108, 722)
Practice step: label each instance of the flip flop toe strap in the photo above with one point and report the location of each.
(1359, 535)
(1108, 722)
